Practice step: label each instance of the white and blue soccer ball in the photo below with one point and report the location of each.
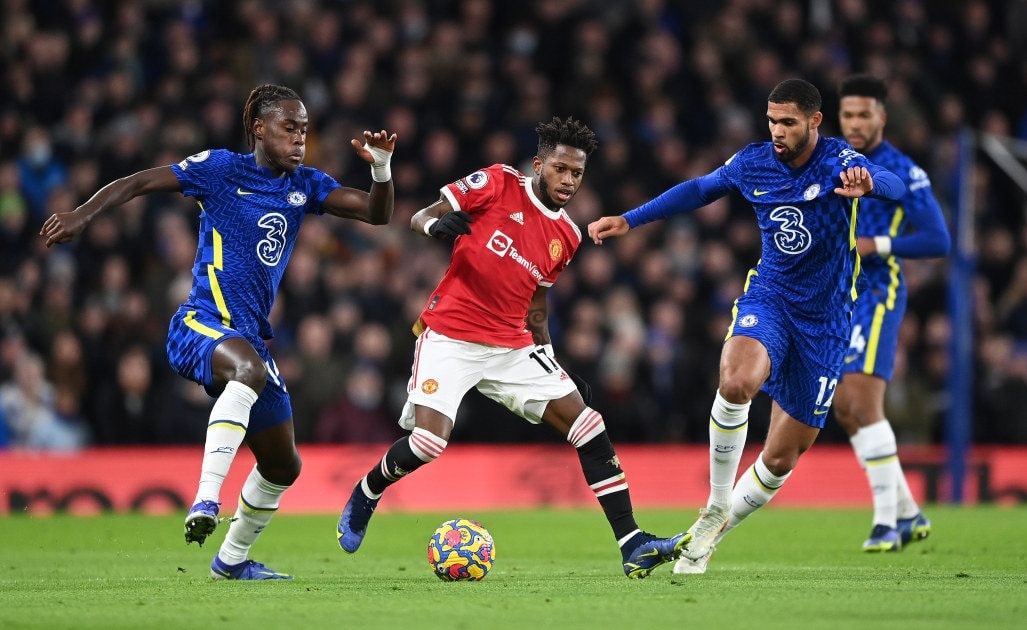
(461, 550)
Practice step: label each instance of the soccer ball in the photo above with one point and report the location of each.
(461, 550)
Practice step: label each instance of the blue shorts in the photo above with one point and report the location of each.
(875, 332)
(805, 355)
(192, 337)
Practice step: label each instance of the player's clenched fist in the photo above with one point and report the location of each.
(606, 227)
(451, 225)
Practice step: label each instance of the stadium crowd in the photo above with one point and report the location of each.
(96, 90)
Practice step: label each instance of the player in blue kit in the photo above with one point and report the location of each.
(882, 238)
(251, 210)
(790, 328)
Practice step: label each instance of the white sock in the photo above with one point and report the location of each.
(258, 502)
(755, 488)
(875, 446)
(225, 432)
(729, 425)
(908, 507)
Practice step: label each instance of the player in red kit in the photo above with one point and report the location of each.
(485, 326)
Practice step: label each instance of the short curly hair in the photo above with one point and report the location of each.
(804, 94)
(569, 132)
(864, 85)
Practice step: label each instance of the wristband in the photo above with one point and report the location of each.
(380, 170)
(427, 225)
(883, 245)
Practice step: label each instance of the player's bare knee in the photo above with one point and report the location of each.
(283, 472)
(251, 373)
(736, 389)
(846, 418)
(780, 464)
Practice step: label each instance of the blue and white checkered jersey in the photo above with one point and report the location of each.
(248, 225)
(918, 209)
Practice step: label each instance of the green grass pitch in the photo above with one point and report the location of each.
(783, 568)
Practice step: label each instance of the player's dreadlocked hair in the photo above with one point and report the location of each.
(804, 94)
(263, 99)
(570, 132)
(864, 85)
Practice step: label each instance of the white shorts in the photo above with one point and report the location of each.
(518, 378)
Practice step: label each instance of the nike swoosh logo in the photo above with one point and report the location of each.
(850, 359)
(819, 412)
(243, 192)
(757, 192)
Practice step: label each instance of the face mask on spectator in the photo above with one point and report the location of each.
(38, 153)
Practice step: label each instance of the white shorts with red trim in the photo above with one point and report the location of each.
(523, 380)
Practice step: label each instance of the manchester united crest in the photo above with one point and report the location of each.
(555, 249)
(430, 386)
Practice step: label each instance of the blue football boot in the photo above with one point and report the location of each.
(245, 570)
(912, 529)
(883, 538)
(354, 519)
(201, 521)
(645, 552)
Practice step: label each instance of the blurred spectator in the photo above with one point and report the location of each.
(361, 414)
(39, 170)
(28, 407)
(132, 408)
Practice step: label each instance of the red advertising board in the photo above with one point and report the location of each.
(472, 477)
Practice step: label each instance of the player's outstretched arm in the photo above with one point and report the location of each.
(607, 227)
(441, 220)
(375, 207)
(64, 226)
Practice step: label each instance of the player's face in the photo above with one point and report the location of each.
(791, 130)
(559, 175)
(862, 121)
(282, 133)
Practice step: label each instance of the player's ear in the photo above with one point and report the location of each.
(816, 119)
(258, 128)
(536, 164)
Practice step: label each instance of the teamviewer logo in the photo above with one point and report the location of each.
(500, 243)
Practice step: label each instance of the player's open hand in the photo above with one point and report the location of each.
(374, 145)
(856, 182)
(607, 227)
(62, 227)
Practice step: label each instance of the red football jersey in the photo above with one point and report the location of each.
(516, 244)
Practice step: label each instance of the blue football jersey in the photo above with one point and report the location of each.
(808, 256)
(879, 217)
(248, 226)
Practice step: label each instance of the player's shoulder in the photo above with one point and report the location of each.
(836, 154)
(570, 227)
(506, 173)
(751, 152)
(905, 167)
(497, 175)
(210, 158)
(838, 148)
